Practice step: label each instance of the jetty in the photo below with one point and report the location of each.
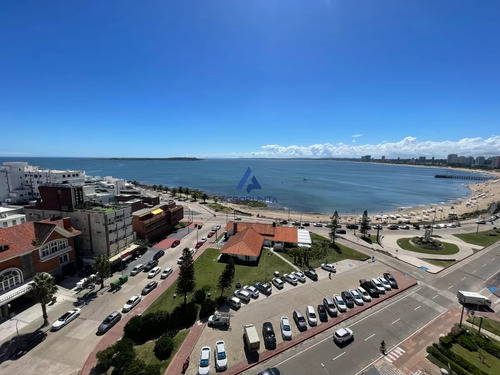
(462, 177)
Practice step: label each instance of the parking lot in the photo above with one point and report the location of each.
(283, 303)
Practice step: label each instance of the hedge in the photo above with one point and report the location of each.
(443, 359)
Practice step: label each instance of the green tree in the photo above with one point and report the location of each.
(164, 347)
(180, 189)
(216, 199)
(174, 192)
(101, 267)
(226, 278)
(166, 189)
(365, 226)
(204, 196)
(194, 195)
(335, 222)
(187, 191)
(155, 187)
(45, 288)
(160, 187)
(186, 280)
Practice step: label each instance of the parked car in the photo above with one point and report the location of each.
(391, 280)
(392, 226)
(339, 302)
(175, 243)
(204, 366)
(358, 299)
(254, 293)
(233, 302)
(203, 239)
(352, 226)
(405, 227)
(322, 314)
(198, 244)
(385, 283)
(329, 267)
(343, 335)
(29, 343)
(155, 271)
(270, 371)
(158, 254)
(210, 234)
(149, 287)
(364, 294)
(150, 265)
(138, 268)
(378, 285)
(311, 316)
(220, 355)
(268, 335)
(290, 279)
(278, 283)
(348, 299)
(299, 276)
(300, 321)
(66, 318)
(318, 225)
(331, 309)
(109, 322)
(340, 231)
(133, 301)
(264, 288)
(369, 287)
(242, 295)
(166, 272)
(311, 274)
(286, 330)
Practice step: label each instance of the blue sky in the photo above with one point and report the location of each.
(249, 78)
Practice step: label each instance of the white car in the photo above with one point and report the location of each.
(203, 239)
(318, 225)
(341, 306)
(65, 319)
(311, 316)
(290, 279)
(343, 335)
(166, 272)
(299, 276)
(278, 283)
(133, 301)
(252, 290)
(329, 267)
(358, 300)
(378, 285)
(136, 269)
(364, 294)
(286, 329)
(155, 271)
(404, 227)
(242, 294)
(385, 283)
(204, 366)
(220, 355)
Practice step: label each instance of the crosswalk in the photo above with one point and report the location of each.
(394, 354)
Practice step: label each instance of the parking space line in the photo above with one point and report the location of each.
(369, 337)
(451, 286)
(462, 279)
(484, 265)
(340, 355)
(397, 320)
(435, 296)
(416, 308)
(474, 271)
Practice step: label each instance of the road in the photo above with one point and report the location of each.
(394, 322)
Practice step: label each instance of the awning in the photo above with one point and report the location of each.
(125, 253)
(157, 211)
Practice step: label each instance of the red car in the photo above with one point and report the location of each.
(175, 243)
(199, 244)
(210, 234)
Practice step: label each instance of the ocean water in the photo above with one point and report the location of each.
(321, 186)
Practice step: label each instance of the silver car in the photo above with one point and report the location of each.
(133, 301)
(341, 306)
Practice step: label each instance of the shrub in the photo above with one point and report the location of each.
(220, 301)
(184, 316)
(164, 347)
(446, 341)
(133, 329)
(488, 345)
(462, 362)
(466, 341)
(208, 307)
(156, 324)
(105, 358)
(443, 359)
(199, 296)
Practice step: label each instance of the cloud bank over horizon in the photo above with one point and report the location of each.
(408, 147)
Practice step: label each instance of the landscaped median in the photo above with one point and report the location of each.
(483, 238)
(447, 249)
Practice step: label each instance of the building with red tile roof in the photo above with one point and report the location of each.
(245, 245)
(29, 248)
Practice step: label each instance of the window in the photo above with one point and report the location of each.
(10, 278)
(14, 222)
(22, 221)
(45, 251)
(53, 247)
(64, 259)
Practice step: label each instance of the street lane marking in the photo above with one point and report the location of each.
(416, 308)
(482, 290)
(397, 320)
(462, 279)
(435, 296)
(369, 337)
(340, 355)
(484, 265)
(451, 286)
(474, 271)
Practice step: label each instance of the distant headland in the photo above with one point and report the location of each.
(164, 159)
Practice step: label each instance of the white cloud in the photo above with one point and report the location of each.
(406, 148)
(356, 135)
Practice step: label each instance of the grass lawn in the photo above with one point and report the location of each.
(483, 239)
(448, 249)
(488, 324)
(491, 364)
(145, 351)
(219, 207)
(439, 263)
(208, 270)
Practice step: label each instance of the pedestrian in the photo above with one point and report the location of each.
(330, 275)
(373, 258)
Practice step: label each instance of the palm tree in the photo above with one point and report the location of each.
(174, 192)
(333, 229)
(166, 189)
(194, 195)
(101, 267)
(44, 285)
(204, 196)
(187, 191)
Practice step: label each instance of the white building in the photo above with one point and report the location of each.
(11, 216)
(19, 181)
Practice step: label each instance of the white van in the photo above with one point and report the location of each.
(278, 283)
(234, 302)
(311, 316)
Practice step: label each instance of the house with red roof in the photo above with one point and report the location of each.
(29, 248)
